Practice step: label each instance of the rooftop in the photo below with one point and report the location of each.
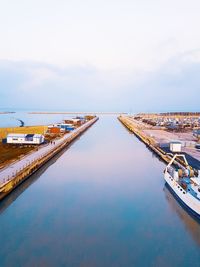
(23, 135)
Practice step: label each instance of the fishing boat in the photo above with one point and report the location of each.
(184, 181)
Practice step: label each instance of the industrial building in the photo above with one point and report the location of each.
(75, 121)
(171, 123)
(67, 125)
(34, 139)
(60, 128)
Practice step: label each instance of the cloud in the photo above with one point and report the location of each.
(174, 86)
(44, 86)
(35, 85)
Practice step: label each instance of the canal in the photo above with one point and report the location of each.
(102, 202)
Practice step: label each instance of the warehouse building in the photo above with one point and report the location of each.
(35, 139)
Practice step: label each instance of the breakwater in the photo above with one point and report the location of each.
(20, 175)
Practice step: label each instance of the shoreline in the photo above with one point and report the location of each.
(75, 112)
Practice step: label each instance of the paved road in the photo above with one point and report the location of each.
(9, 171)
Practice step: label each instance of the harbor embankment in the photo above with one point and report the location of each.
(15, 174)
(152, 143)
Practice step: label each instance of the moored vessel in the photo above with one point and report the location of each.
(184, 181)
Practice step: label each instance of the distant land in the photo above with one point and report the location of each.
(81, 112)
(7, 112)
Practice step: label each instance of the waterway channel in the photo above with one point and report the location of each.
(101, 202)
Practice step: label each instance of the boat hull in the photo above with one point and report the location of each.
(186, 199)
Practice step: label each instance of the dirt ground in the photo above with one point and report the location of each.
(164, 136)
(10, 153)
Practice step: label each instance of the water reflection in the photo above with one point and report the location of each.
(9, 199)
(192, 224)
(147, 147)
(99, 204)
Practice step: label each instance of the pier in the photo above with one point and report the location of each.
(16, 173)
(151, 143)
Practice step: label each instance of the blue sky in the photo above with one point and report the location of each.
(100, 55)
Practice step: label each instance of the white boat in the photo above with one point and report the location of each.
(184, 183)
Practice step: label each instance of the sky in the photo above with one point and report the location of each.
(98, 55)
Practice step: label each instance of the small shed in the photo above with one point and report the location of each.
(175, 146)
(34, 139)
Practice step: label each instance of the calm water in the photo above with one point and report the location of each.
(103, 202)
(12, 119)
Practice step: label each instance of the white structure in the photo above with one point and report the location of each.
(54, 125)
(175, 146)
(77, 121)
(25, 139)
(189, 194)
(66, 124)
